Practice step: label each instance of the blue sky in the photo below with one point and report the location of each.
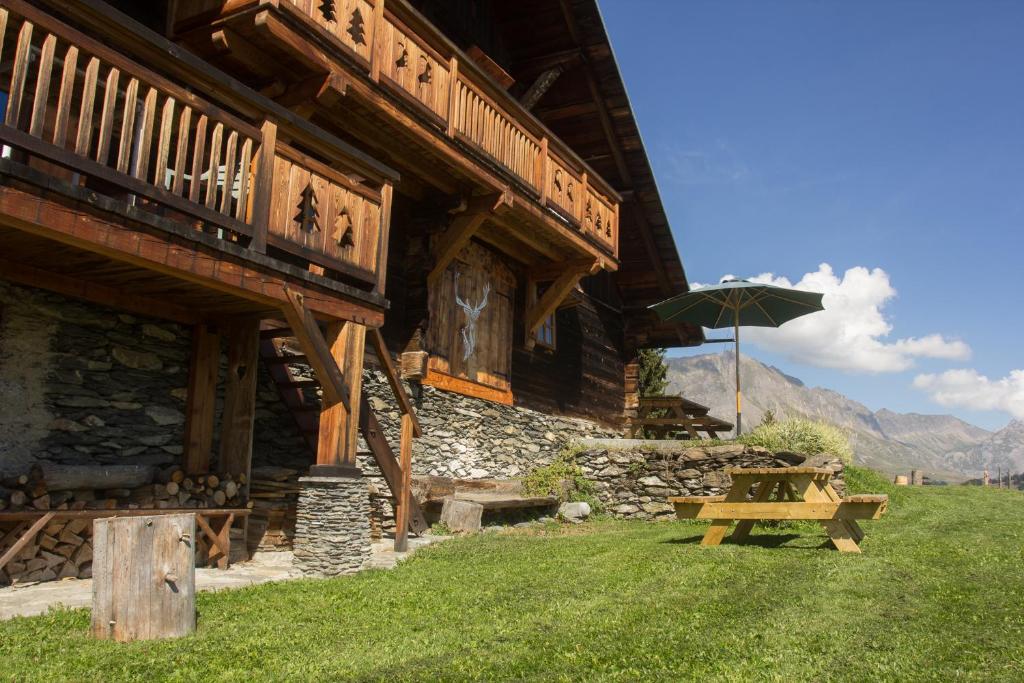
(884, 135)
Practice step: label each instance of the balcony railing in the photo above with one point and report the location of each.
(412, 58)
(126, 131)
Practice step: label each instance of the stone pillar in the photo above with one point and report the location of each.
(917, 477)
(332, 526)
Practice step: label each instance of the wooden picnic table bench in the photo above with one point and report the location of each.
(28, 523)
(799, 493)
(683, 415)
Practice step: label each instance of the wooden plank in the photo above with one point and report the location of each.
(243, 341)
(19, 74)
(25, 539)
(313, 344)
(262, 187)
(788, 510)
(107, 116)
(124, 150)
(202, 395)
(118, 512)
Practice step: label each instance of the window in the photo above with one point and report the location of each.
(545, 334)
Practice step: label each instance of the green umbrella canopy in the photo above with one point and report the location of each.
(736, 303)
(758, 305)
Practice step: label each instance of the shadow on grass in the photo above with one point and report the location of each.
(763, 541)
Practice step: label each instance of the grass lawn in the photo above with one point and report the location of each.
(938, 594)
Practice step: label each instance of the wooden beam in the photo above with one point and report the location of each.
(202, 395)
(554, 295)
(96, 293)
(352, 349)
(540, 86)
(332, 438)
(458, 234)
(25, 539)
(243, 342)
(316, 348)
(404, 498)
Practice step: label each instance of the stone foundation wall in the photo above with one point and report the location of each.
(468, 438)
(332, 526)
(635, 481)
(82, 384)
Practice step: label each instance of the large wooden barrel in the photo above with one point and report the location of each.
(144, 584)
(901, 480)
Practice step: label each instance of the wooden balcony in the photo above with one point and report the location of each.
(152, 143)
(384, 47)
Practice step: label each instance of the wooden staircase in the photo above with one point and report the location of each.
(297, 393)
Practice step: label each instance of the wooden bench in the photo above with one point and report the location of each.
(800, 493)
(463, 501)
(29, 523)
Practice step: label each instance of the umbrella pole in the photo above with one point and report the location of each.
(739, 399)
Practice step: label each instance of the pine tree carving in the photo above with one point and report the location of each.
(356, 29)
(308, 216)
(329, 10)
(343, 230)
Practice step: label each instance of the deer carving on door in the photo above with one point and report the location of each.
(472, 311)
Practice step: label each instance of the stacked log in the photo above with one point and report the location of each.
(63, 549)
(273, 494)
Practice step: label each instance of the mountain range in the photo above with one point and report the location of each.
(945, 447)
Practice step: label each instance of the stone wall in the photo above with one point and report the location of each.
(468, 438)
(332, 528)
(635, 479)
(82, 384)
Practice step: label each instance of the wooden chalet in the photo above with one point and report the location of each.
(460, 182)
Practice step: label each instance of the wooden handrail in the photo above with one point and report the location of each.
(381, 350)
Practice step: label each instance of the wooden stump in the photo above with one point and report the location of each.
(461, 515)
(144, 577)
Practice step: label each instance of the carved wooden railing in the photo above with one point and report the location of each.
(127, 131)
(411, 57)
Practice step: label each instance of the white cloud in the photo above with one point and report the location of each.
(969, 389)
(852, 332)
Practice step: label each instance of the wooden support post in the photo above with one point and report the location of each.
(384, 236)
(262, 187)
(202, 393)
(403, 499)
(339, 423)
(243, 341)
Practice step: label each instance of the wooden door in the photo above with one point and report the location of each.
(470, 333)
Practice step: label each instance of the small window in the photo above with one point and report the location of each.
(545, 334)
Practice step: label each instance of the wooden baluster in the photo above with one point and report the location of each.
(3, 29)
(229, 172)
(107, 116)
(38, 120)
(163, 144)
(262, 187)
(22, 53)
(181, 153)
(544, 172)
(197, 160)
(213, 169)
(67, 85)
(145, 137)
(615, 232)
(452, 106)
(124, 151)
(85, 111)
(376, 55)
(244, 180)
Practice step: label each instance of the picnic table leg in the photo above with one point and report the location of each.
(851, 524)
(737, 493)
(837, 530)
(744, 526)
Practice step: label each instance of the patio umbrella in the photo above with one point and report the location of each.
(733, 303)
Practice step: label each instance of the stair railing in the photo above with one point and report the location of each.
(410, 430)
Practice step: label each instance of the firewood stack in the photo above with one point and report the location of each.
(273, 494)
(63, 548)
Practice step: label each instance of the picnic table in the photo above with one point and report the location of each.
(664, 416)
(799, 493)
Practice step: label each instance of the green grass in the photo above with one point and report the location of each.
(936, 595)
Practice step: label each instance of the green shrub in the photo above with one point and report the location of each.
(801, 436)
(563, 478)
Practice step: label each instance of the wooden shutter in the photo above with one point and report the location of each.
(486, 372)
